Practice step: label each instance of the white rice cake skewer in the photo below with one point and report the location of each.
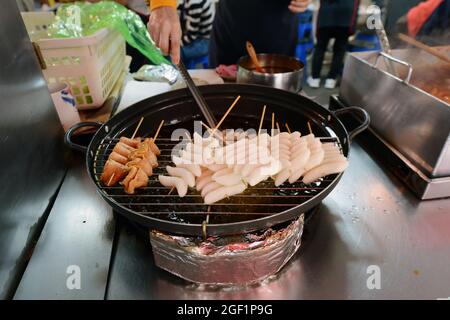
(203, 180)
(224, 192)
(316, 157)
(210, 187)
(226, 177)
(256, 176)
(174, 182)
(195, 169)
(325, 169)
(282, 176)
(182, 173)
(216, 167)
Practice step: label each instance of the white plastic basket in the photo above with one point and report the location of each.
(89, 65)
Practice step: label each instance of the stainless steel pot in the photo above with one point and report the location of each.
(282, 72)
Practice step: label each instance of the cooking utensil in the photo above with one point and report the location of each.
(259, 207)
(282, 72)
(424, 47)
(403, 115)
(252, 54)
(197, 95)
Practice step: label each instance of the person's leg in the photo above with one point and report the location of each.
(339, 49)
(323, 37)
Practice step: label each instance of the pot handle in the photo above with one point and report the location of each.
(391, 58)
(68, 135)
(361, 114)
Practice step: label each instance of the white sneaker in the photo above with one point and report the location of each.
(313, 82)
(330, 83)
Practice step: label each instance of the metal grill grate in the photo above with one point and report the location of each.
(156, 201)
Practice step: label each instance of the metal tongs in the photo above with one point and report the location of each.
(197, 96)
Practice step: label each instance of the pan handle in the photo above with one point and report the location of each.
(391, 58)
(360, 114)
(68, 135)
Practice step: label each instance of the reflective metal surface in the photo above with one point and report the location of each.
(370, 219)
(31, 161)
(393, 161)
(282, 72)
(413, 121)
(77, 239)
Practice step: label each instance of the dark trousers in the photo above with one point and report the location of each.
(268, 24)
(340, 35)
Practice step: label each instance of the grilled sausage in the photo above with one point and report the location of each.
(134, 143)
(118, 157)
(113, 172)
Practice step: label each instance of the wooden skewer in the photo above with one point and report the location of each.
(309, 127)
(211, 130)
(137, 127)
(273, 124)
(424, 47)
(226, 113)
(187, 136)
(262, 119)
(170, 191)
(110, 179)
(278, 127)
(287, 127)
(273, 121)
(157, 131)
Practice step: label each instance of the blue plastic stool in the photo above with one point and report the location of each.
(305, 29)
(301, 52)
(305, 42)
(200, 61)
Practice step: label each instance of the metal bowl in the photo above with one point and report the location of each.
(283, 72)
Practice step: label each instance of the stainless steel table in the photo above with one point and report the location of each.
(369, 219)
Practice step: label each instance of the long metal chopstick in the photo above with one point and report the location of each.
(197, 96)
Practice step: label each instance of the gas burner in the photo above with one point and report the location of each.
(231, 260)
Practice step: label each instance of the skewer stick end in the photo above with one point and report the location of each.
(137, 128)
(287, 127)
(157, 131)
(262, 119)
(309, 127)
(110, 179)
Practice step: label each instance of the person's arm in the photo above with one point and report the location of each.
(164, 27)
(298, 6)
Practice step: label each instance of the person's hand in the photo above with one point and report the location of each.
(298, 6)
(165, 30)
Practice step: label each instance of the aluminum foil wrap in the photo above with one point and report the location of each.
(160, 73)
(242, 259)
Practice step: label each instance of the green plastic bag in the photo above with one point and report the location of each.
(82, 19)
